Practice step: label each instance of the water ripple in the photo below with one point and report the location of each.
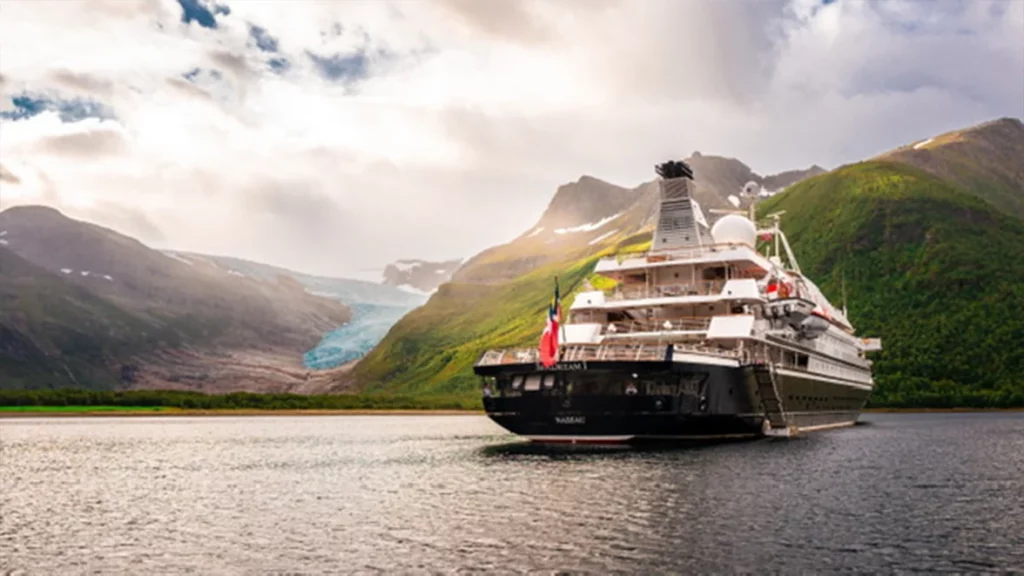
(304, 495)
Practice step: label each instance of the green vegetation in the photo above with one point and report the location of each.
(89, 400)
(62, 409)
(432, 349)
(54, 332)
(934, 271)
(985, 160)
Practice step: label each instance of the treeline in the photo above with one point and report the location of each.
(235, 400)
(948, 399)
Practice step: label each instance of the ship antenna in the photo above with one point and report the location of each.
(845, 315)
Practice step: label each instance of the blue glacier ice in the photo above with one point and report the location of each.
(375, 307)
(368, 326)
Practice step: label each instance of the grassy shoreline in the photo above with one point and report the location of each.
(122, 411)
(940, 410)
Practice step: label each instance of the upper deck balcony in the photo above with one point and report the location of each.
(637, 292)
(708, 254)
(740, 290)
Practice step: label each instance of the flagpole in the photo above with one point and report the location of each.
(561, 325)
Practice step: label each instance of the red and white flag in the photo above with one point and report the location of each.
(549, 339)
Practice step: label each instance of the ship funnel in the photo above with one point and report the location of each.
(681, 224)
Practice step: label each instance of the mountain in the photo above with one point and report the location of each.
(343, 289)
(375, 308)
(986, 160)
(86, 306)
(931, 259)
(498, 297)
(930, 267)
(53, 332)
(419, 276)
(782, 180)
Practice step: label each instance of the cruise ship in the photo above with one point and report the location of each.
(714, 333)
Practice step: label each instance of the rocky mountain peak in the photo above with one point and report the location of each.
(586, 200)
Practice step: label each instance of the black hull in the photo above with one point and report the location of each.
(674, 401)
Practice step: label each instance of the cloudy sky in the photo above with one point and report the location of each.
(333, 136)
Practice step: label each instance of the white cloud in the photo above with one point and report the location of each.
(464, 115)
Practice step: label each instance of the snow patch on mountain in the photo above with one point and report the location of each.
(174, 256)
(414, 290)
(602, 237)
(589, 227)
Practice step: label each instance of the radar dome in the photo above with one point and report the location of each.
(734, 229)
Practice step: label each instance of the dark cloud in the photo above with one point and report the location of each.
(279, 65)
(205, 16)
(233, 63)
(264, 41)
(27, 105)
(341, 67)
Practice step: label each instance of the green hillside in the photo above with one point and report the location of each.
(930, 267)
(933, 270)
(986, 160)
(433, 348)
(56, 334)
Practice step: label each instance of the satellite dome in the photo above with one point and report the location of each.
(751, 189)
(734, 229)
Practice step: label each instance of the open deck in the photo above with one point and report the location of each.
(603, 353)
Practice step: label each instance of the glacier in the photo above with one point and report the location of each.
(375, 307)
(368, 326)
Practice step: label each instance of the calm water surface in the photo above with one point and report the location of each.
(398, 494)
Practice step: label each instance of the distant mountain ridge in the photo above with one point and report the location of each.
(91, 307)
(419, 275)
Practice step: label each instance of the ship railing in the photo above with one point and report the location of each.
(701, 288)
(655, 325)
(603, 352)
(674, 254)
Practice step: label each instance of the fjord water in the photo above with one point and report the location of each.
(401, 494)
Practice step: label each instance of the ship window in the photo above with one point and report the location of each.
(549, 380)
(801, 360)
(517, 382)
(532, 382)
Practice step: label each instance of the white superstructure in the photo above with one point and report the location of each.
(715, 289)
